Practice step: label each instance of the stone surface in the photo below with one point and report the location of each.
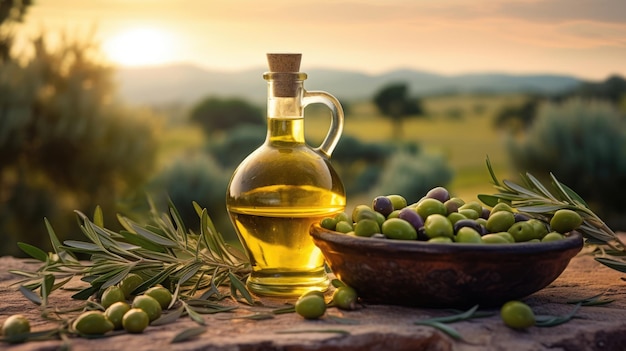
(371, 327)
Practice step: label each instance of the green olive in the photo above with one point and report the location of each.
(161, 294)
(494, 239)
(517, 315)
(500, 221)
(397, 228)
(15, 325)
(522, 231)
(328, 223)
(344, 227)
(398, 201)
(311, 306)
(564, 221)
(345, 298)
(93, 323)
(553, 236)
(135, 320)
(130, 283)
(440, 240)
(366, 227)
(468, 235)
(111, 295)
(116, 312)
(430, 206)
(438, 225)
(149, 305)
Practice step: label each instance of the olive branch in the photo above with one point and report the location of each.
(163, 251)
(540, 201)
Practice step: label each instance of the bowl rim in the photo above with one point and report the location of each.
(573, 240)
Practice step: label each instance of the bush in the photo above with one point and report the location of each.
(216, 114)
(412, 174)
(198, 178)
(237, 145)
(583, 143)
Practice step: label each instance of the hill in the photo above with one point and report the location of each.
(188, 83)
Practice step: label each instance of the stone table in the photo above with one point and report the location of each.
(370, 327)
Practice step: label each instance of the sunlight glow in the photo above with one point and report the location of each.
(141, 47)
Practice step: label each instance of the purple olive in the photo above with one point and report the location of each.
(382, 205)
(440, 193)
(520, 217)
(485, 213)
(467, 223)
(411, 216)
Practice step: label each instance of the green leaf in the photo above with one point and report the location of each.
(135, 239)
(189, 333)
(98, 218)
(237, 285)
(448, 330)
(83, 246)
(552, 321)
(152, 237)
(170, 317)
(47, 283)
(157, 279)
(489, 200)
(30, 295)
(195, 316)
(33, 251)
(612, 263)
(86, 293)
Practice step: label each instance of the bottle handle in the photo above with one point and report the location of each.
(336, 123)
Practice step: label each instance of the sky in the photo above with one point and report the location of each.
(583, 38)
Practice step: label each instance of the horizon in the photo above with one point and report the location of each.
(585, 39)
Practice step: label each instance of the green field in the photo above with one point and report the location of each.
(458, 127)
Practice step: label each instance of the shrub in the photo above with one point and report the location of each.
(583, 143)
(412, 175)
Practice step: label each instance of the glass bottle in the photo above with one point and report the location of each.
(285, 186)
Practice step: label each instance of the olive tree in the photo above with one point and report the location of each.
(394, 102)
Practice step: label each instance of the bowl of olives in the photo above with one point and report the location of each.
(444, 252)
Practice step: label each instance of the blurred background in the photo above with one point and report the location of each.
(112, 103)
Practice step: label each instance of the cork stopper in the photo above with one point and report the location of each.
(284, 62)
(284, 71)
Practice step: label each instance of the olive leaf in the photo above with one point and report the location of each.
(552, 321)
(441, 322)
(541, 201)
(187, 334)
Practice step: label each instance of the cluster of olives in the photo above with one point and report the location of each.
(123, 313)
(438, 217)
(313, 305)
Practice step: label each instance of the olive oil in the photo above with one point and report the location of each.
(285, 186)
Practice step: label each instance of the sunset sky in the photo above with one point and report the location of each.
(584, 38)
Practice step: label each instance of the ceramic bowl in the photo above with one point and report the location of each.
(415, 273)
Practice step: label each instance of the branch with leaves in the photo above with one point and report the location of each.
(539, 201)
(163, 251)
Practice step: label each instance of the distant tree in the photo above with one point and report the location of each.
(394, 102)
(11, 12)
(518, 117)
(64, 144)
(215, 114)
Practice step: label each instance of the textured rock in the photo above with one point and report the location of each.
(371, 327)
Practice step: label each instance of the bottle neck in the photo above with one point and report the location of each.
(285, 113)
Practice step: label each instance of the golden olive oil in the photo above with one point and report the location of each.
(285, 186)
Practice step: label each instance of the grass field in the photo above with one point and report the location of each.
(458, 127)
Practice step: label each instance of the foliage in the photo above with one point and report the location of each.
(62, 138)
(215, 114)
(536, 199)
(394, 102)
(189, 264)
(194, 178)
(517, 118)
(613, 90)
(412, 174)
(11, 12)
(233, 148)
(581, 142)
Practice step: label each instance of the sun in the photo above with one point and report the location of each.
(143, 46)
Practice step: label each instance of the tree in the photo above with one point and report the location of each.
(64, 143)
(393, 101)
(216, 114)
(11, 12)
